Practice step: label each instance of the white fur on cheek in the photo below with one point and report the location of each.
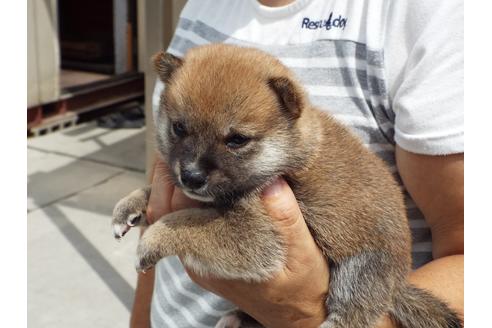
(177, 172)
(271, 155)
(162, 127)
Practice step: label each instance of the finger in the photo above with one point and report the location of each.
(161, 193)
(281, 204)
(181, 201)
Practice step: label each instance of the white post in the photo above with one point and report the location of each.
(43, 63)
(157, 20)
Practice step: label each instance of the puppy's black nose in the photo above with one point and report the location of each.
(193, 179)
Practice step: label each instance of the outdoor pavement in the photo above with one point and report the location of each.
(78, 275)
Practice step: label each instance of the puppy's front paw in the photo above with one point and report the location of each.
(129, 212)
(125, 216)
(147, 255)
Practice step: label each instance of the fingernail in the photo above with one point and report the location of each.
(275, 188)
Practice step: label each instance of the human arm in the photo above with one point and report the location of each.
(436, 185)
(140, 315)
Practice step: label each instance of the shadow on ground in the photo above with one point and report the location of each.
(74, 179)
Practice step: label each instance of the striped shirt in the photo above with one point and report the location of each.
(340, 51)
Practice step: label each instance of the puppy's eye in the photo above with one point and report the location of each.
(179, 129)
(237, 141)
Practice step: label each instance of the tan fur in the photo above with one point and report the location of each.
(348, 197)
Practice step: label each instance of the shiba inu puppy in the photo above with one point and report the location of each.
(233, 119)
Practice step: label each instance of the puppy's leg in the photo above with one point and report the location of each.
(360, 292)
(211, 244)
(130, 211)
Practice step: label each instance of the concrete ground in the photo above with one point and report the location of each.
(78, 275)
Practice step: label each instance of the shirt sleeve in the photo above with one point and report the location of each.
(424, 56)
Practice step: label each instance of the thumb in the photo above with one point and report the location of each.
(281, 205)
(161, 192)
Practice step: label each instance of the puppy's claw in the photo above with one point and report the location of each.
(119, 230)
(230, 320)
(133, 219)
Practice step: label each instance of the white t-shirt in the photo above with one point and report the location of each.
(391, 70)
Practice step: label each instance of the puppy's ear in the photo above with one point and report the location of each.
(165, 65)
(289, 97)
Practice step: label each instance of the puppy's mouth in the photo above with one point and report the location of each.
(200, 196)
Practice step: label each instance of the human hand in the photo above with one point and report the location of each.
(295, 296)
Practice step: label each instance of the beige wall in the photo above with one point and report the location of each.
(43, 52)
